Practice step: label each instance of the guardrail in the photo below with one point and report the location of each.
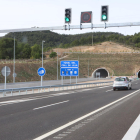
(50, 82)
(38, 89)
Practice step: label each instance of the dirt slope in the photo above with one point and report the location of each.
(107, 47)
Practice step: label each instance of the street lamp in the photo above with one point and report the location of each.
(42, 61)
(42, 52)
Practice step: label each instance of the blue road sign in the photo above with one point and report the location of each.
(69, 68)
(41, 71)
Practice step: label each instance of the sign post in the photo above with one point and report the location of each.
(70, 79)
(41, 72)
(69, 68)
(5, 72)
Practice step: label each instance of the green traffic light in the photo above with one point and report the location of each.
(104, 17)
(67, 19)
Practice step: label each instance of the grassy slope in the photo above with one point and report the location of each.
(119, 64)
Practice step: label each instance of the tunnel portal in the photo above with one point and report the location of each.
(138, 74)
(100, 71)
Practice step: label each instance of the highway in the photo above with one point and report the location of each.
(97, 113)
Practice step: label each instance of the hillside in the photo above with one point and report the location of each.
(116, 64)
(54, 39)
(104, 47)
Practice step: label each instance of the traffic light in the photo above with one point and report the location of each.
(68, 15)
(104, 13)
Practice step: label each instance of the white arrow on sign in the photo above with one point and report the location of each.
(41, 72)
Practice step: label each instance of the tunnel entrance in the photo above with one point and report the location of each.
(138, 74)
(101, 72)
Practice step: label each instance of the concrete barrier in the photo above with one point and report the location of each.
(134, 131)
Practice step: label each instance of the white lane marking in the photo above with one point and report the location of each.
(43, 97)
(136, 83)
(50, 105)
(133, 132)
(81, 118)
(109, 90)
(18, 101)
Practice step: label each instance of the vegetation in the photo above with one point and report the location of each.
(28, 44)
(36, 51)
(53, 40)
(53, 55)
(22, 50)
(117, 64)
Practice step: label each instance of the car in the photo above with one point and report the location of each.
(122, 83)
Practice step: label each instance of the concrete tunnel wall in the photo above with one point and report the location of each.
(103, 73)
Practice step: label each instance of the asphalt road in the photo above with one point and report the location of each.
(80, 114)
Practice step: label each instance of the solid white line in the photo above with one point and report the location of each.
(50, 105)
(109, 90)
(133, 132)
(81, 118)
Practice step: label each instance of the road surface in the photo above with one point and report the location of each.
(97, 113)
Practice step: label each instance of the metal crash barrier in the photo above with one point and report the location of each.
(41, 89)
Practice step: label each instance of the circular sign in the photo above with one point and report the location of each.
(86, 17)
(41, 71)
(5, 70)
(14, 74)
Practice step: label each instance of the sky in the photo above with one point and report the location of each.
(16, 14)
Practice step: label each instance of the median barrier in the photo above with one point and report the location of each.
(41, 89)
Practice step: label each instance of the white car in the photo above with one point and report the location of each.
(122, 83)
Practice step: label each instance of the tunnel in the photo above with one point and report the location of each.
(100, 72)
(139, 74)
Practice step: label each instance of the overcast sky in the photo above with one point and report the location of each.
(16, 14)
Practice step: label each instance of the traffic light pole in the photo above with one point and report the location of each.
(68, 27)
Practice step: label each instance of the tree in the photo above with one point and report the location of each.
(75, 43)
(83, 41)
(53, 54)
(36, 51)
(26, 52)
(7, 48)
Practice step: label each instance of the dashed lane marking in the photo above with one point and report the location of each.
(50, 105)
(109, 90)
